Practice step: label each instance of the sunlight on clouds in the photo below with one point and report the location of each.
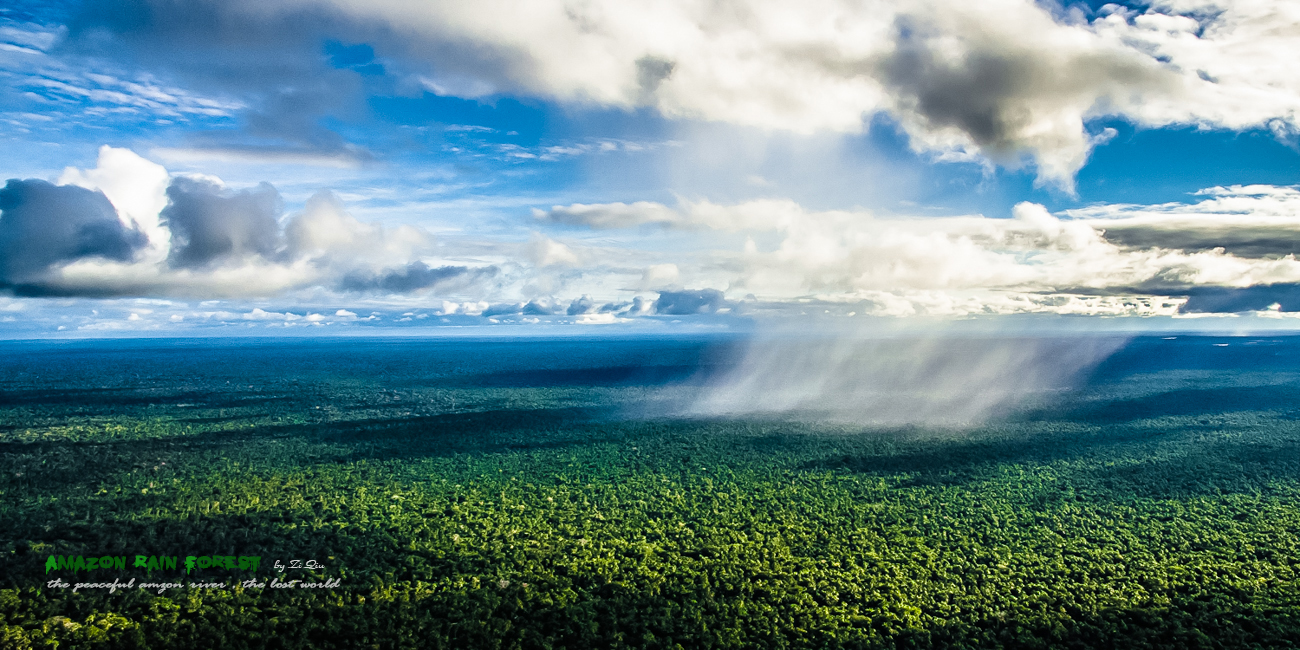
(1034, 261)
(1001, 81)
(137, 188)
(206, 239)
(659, 276)
(765, 256)
(325, 231)
(544, 251)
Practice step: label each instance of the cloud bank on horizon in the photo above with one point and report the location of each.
(283, 88)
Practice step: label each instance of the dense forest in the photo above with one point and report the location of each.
(541, 503)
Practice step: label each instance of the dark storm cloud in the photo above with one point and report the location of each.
(1254, 241)
(413, 277)
(683, 303)
(994, 91)
(43, 225)
(1227, 300)
(210, 224)
(972, 96)
(1202, 299)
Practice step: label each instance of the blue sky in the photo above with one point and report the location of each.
(328, 163)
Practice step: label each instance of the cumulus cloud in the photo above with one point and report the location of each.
(544, 251)
(1227, 55)
(210, 223)
(539, 307)
(147, 233)
(324, 230)
(43, 225)
(1158, 257)
(683, 303)
(1005, 79)
(582, 305)
(659, 276)
(1226, 249)
(137, 188)
(1002, 80)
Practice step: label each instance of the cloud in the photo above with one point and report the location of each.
(105, 278)
(1245, 240)
(1226, 53)
(610, 215)
(1281, 297)
(582, 305)
(137, 188)
(544, 251)
(600, 319)
(1253, 221)
(326, 232)
(1003, 80)
(761, 214)
(1135, 260)
(43, 225)
(659, 276)
(212, 224)
(1225, 249)
(268, 74)
(1006, 80)
(684, 303)
(539, 307)
(148, 233)
(414, 277)
(56, 90)
(342, 157)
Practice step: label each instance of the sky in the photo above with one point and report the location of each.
(326, 166)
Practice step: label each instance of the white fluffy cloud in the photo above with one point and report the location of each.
(1231, 56)
(207, 240)
(1034, 261)
(325, 232)
(136, 187)
(763, 254)
(543, 251)
(1001, 79)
